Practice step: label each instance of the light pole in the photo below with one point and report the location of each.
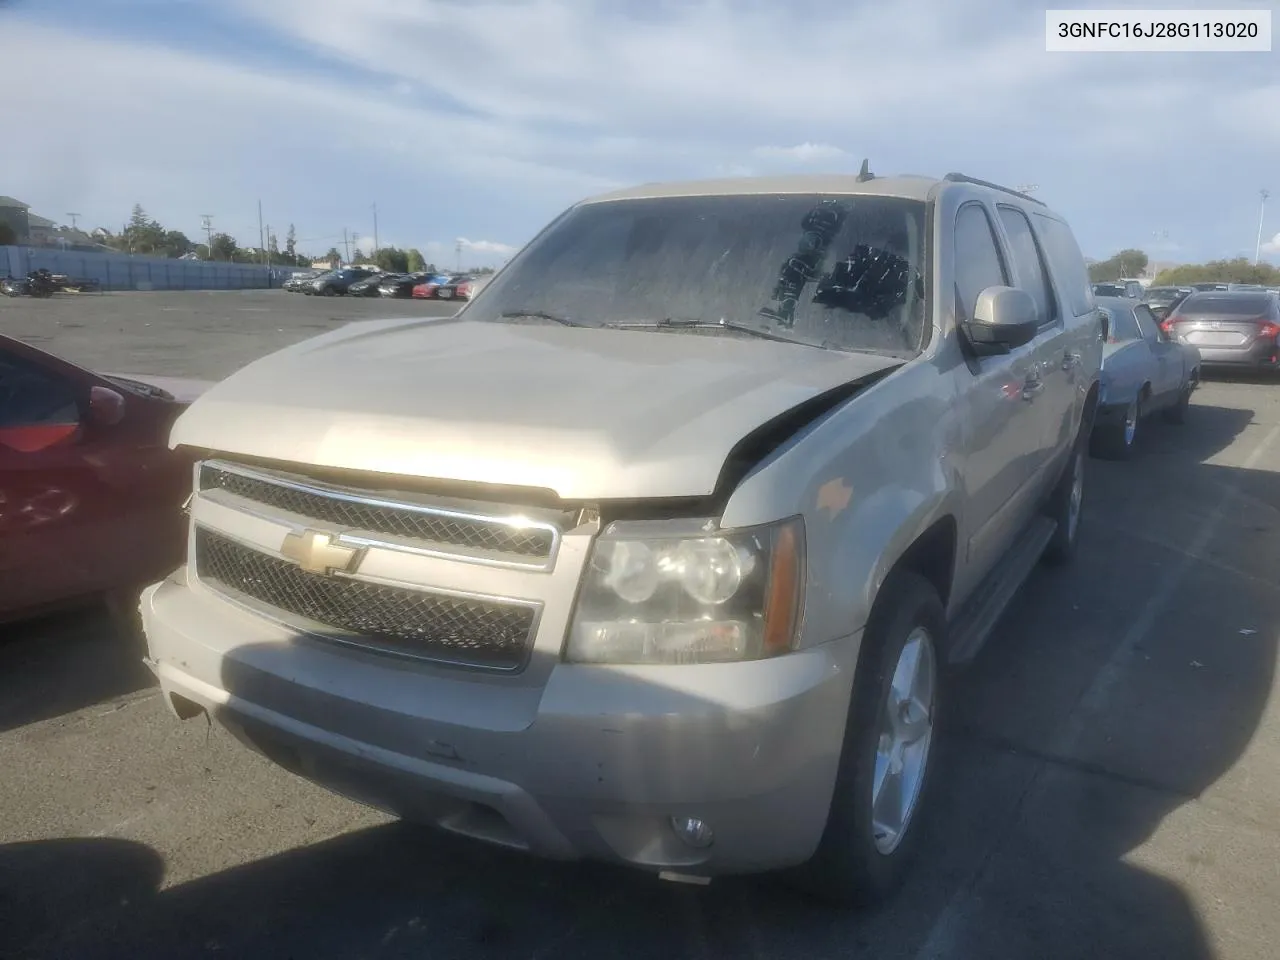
(206, 221)
(376, 248)
(1160, 236)
(1262, 213)
(458, 250)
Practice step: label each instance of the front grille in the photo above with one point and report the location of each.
(436, 527)
(481, 633)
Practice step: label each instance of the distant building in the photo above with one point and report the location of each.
(13, 213)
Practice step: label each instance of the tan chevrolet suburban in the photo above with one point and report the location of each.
(656, 552)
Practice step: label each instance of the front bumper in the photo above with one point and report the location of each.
(592, 765)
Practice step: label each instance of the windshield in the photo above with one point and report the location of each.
(840, 272)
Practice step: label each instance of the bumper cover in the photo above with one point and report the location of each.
(609, 757)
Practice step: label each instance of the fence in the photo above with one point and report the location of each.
(118, 271)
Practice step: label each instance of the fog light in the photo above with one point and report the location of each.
(692, 831)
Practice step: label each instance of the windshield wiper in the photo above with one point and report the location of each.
(694, 323)
(540, 315)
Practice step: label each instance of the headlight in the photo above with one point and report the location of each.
(649, 597)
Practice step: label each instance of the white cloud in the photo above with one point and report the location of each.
(802, 153)
(532, 105)
(1272, 245)
(487, 246)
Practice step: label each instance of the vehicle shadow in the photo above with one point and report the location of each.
(62, 662)
(1117, 693)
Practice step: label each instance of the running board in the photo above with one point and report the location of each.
(974, 623)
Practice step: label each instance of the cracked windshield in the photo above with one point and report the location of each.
(479, 477)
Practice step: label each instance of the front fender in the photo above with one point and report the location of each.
(868, 479)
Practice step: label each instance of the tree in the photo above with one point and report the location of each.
(333, 254)
(222, 247)
(1239, 270)
(1126, 263)
(8, 236)
(291, 243)
(174, 244)
(414, 263)
(392, 260)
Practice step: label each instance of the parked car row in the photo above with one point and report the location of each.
(367, 282)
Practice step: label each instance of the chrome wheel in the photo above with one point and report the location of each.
(1130, 423)
(1077, 494)
(902, 747)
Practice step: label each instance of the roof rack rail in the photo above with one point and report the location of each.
(961, 178)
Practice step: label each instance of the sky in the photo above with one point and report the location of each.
(480, 120)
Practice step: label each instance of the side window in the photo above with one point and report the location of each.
(1123, 325)
(37, 407)
(978, 261)
(1067, 263)
(1028, 261)
(1147, 322)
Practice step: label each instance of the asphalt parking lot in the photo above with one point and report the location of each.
(1109, 783)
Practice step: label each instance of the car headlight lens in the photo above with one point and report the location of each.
(702, 598)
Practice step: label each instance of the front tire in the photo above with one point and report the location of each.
(873, 825)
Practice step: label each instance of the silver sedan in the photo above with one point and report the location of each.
(1143, 372)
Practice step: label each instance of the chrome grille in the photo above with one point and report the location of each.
(396, 620)
(366, 512)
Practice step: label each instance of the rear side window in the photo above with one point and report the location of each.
(1067, 263)
(978, 261)
(1123, 325)
(1032, 275)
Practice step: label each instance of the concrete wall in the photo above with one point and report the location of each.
(119, 271)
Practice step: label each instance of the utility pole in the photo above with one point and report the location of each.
(1262, 213)
(346, 244)
(1160, 237)
(376, 247)
(206, 220)
(74, 217)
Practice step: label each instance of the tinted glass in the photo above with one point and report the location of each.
(1242, 305)
(840, 272)
(1066, 262)
(1147, 322)
(31, 396)
(1107, 290)
(978, 261)
(1123, 326)
(1032, 275)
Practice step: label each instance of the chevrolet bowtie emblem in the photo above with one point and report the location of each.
(316, 552)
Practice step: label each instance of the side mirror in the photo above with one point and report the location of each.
(106, 406)
(1003, 318)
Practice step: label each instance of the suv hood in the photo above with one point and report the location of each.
(586, 413)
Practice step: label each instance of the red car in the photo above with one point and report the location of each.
(91, 496)
(457, 288)
(428, 289)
